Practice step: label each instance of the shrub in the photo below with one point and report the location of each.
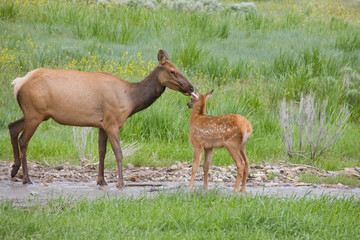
(243, 8)
(308, 131)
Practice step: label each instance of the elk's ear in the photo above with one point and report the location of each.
(162, 57)
(209, 94)
(195, 94)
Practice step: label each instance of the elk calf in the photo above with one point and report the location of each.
(230, 131)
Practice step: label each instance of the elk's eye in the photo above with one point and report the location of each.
(172, 73)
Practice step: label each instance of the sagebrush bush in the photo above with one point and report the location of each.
(243, 8)
(308, 129)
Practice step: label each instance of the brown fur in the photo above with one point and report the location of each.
(230, 131)
(93, 99)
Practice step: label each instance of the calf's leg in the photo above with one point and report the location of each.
(207, 160)
(197, 156)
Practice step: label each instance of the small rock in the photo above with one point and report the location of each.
(218, 180)
(275, 171)
(49, 179)
(91, 166)
(59, 168)
(135, 178)
(174, 167)
(32, 193)
(301, 184)
(271, 184)
(129, 166)
(259, 175)
(258, 179)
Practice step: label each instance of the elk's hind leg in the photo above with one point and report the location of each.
(29, 129)
(15, 129)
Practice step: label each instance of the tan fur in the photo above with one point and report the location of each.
(230, 131)
(94, 99)
(18, 82)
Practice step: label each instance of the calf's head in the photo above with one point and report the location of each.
(197, 97)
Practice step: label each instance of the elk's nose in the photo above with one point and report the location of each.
(191, 88)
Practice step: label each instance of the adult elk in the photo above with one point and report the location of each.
(91, 99)
(230, 131)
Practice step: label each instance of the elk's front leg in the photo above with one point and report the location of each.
(102, 151)
(115, 144)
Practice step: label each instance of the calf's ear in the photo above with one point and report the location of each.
(209, 94)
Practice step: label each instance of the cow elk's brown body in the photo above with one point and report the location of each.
(230, 131)
(92, 99)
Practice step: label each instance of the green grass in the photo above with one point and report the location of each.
(340, 178)
(184, 216)
(252, 61)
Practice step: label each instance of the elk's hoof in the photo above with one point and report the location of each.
(27, 181)
(102, 182)
(14, 170)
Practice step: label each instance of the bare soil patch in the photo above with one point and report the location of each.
(80, 181)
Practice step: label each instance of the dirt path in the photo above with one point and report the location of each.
(80, 181)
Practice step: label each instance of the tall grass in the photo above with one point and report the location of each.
(252, 60)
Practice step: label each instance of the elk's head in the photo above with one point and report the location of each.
(196, 96)
(171, 77)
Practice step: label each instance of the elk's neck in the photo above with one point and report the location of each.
(199, 108)
(144, 93)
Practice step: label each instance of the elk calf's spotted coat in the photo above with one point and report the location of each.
(230, 131)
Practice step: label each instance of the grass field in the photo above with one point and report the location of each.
(253, 61)
(184, 216)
